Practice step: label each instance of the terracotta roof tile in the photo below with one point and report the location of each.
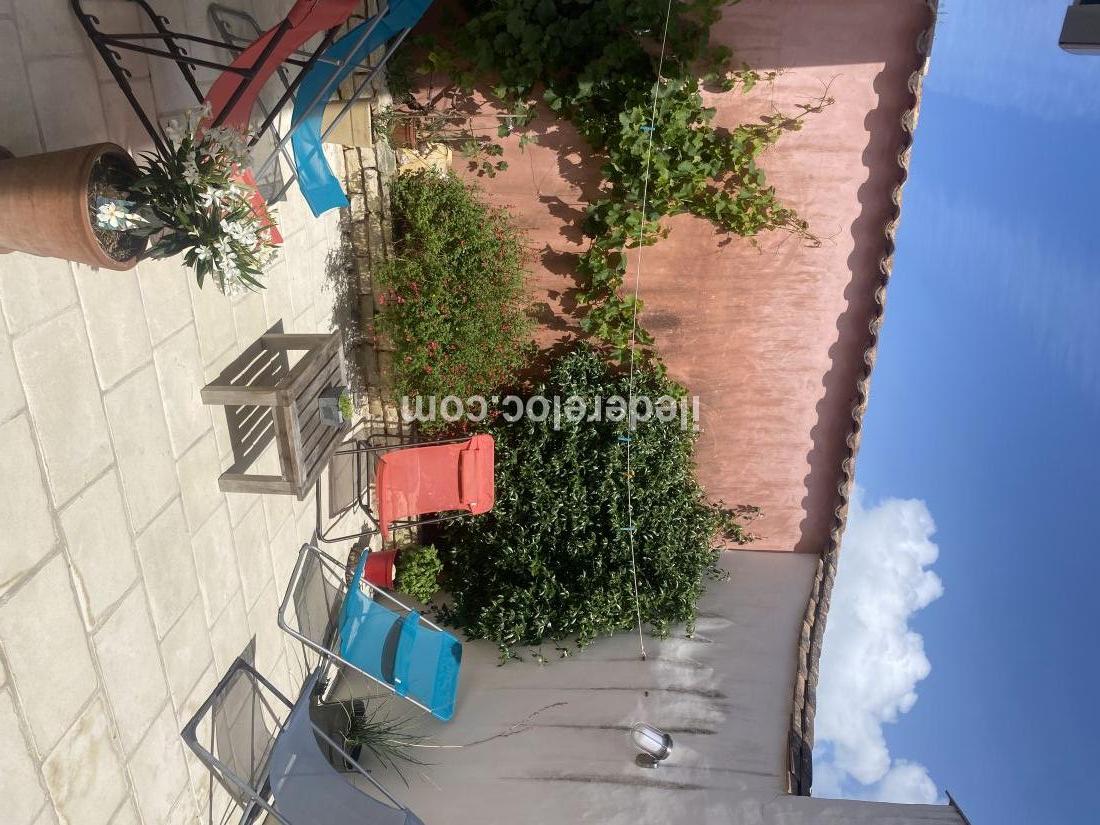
(801, 738)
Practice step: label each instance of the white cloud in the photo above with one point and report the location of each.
(872, 660)
(906, 782)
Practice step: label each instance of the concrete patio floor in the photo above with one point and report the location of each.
(128, 581)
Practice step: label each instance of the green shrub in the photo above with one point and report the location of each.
(552, 559)
(418, 570)
(454, 308)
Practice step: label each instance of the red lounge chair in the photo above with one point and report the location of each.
(436, 479)
(447, 478)
(233, 95)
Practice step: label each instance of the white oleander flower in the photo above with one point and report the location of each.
(239, 231)
(112, 215)
(195, 117)
(229, 145)
(173, 131)
(229, 271)
(265, 254)
(191, 173)
(227, 275)
(232, 287)
(214, 196)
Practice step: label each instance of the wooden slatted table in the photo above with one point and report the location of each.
(305, 444)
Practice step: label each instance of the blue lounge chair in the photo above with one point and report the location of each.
(397, 648)
(319, 185)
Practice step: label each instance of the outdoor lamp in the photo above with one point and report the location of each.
(655, 745)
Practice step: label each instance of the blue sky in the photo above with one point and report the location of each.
(985, 419)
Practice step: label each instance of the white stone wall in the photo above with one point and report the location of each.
(549, 744)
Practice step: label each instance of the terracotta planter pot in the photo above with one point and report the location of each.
(380, 567)
(404, 135)
(44, 205)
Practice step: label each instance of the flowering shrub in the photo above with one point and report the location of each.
(189, 202)
(454, 306)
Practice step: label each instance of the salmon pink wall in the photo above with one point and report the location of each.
(771, 335)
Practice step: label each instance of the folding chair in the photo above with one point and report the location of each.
(319, 186)
(265, 750)
(239, 28)
(395, 647)
(236, 90)
(450, 477)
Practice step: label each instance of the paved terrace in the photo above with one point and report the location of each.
(128, 581)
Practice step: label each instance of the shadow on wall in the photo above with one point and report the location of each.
(572, 151)
(802, 46)
(836, 435)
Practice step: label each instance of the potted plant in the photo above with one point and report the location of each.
(96, 205)
(404, 134)
(379, 569)
(366, 730)
(336, 405)
(48, 205)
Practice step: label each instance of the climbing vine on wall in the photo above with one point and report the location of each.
(595, 63)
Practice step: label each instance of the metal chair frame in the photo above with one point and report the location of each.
(325, 648)
(345, 110)
(223, 17)
(108, 44)
(365, 446)
(258, 796)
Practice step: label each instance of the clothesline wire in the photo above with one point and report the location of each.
(634, 330)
